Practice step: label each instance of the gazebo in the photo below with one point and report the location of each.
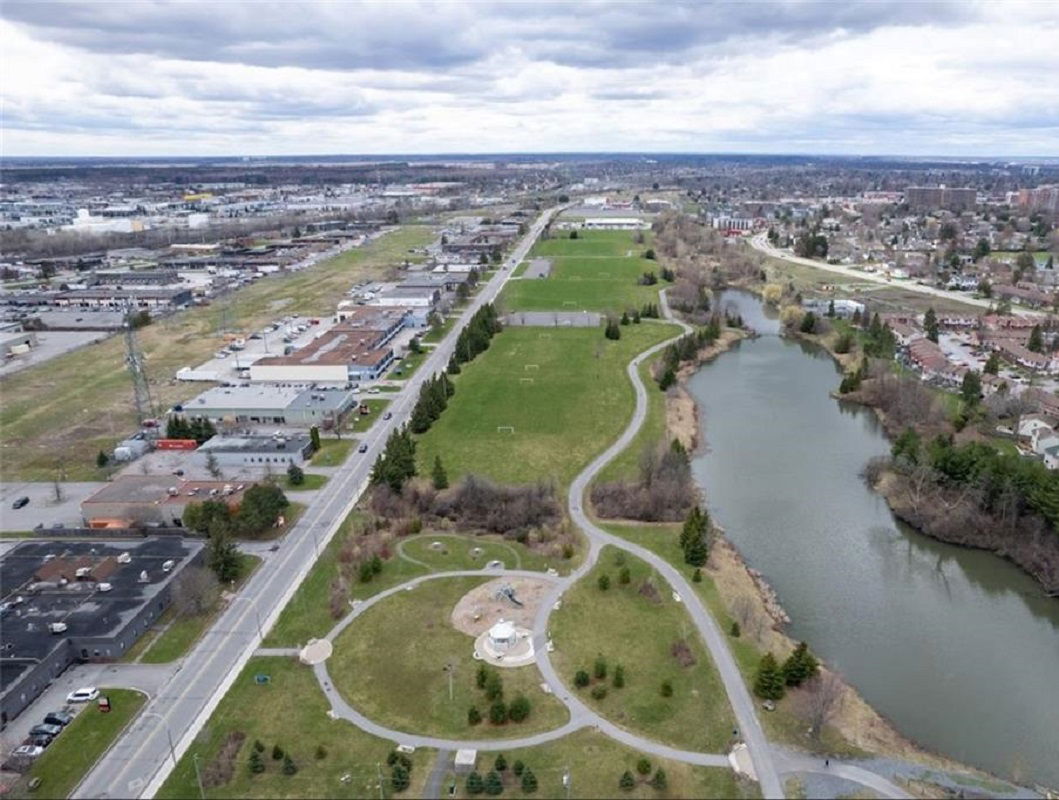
(503, 636)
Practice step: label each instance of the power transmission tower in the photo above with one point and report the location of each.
(138, 369)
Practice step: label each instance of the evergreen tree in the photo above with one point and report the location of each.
(599, 668)
(667, 379)
(493, 783)
(831, 308)
(619, 676)
(659, 781)
(314, 437)
(474, 783)
(693, 537)
(613, 330)
(474, 716)
(454, 366)
(624, 318)
(439, 476)
(971, 388)
(930, 324)
(734, 631)
(1036, 342)
(399, 778)
(624, 576)
(518, 768)
(697, 552)
(494, 686)
(581, 679)
(295, 475)
(519, 710)
(101, 459)
(222, 556)
(498, 713)
(529, 782)
(604, 582)
(769, 681)
(396, 464)
(501, 763)
(626, 782)
(481, 677)
(277, 752)
(666, 689)
(800, 666)
(257, 764)
(643, 766)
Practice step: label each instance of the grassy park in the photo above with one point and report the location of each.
(332, 452)
(469, 552)
(598, 271)
(51, 427)
(596, 762)
(639, 626)
(406, 641)
(289, 711)
(75, 752)
(538, 404)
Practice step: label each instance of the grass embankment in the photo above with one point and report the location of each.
(595, 763)
(358, 423)
(406, 367)
(332, 452)
(783, 725)
(308, 615)
(289, 711)
(564, 391)
(598, 271)
(626, 465)
(69, 758)
(641, 627)
(406, 641)
(46, 421)
(311, 481)
(469, 552)
(172, 636)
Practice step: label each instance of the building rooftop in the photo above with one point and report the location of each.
(333, 348)
(256, 444)
(34, 595)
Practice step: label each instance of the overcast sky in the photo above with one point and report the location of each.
(259, 78)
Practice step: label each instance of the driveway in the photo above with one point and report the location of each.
(43, 508)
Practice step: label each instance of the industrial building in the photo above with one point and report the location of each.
(260, 452)
(153, 500)
(337, 356)
(66, 602)
(118, 298)
(616, 224)
(271, 404)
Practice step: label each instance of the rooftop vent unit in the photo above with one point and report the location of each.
(167, 566)
(124, 558)
(57, 627)
(83, 572)
(104, 587)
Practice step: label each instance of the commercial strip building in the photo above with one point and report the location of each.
(131, 501)
(616, 224)
(118, 298)
(66, 602)
(299, 405)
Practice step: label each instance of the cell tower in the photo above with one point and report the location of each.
(138, 369)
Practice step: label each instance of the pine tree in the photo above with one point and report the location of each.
(519, 709)
(474, 716)
(474, 783)
(289, 767)
(101, 459)
(314, 437)
(624, 576)
(454, 366)
(439, 476)
(604, 582)
(493, 783)
(930, 324)
(481, 676)
(257, 764)
(735, 631)
(529, 782)
(769, 682)
(501, 763)
(498, 713)
(399, 778)
(626, 782)
(800, 666)
(643, 766)
(697, 552)
(619, 676)
(1036, 342)
(659, 781)
(992, 364)
(599, 669)
(277, 752)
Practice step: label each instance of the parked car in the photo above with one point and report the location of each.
(20, 503)
(58, 718)
(40, 740)
(27, 751)
(45, 729)
(85, 694)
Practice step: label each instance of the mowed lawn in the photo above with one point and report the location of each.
(653, 638)
(596, 762)
(598, 271)
(564, 391)
(289, 711)
(390, 663)
(57, 416)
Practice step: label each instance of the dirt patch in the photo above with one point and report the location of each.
(222, 768)
(479, 609)
(650, 591)
(682, 653)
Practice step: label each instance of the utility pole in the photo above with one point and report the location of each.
(134, 360)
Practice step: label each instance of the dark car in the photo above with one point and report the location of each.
(46, 730)
(40, 740)
(387, 415)
(20, 503)
(362, 449)
(58, 718)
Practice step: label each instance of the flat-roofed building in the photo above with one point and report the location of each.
(338, 356)
(134, 500)
(616, 224)
(273, 404)
(274, 452)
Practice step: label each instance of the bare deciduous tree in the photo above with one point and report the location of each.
(195, 592)
(819, 700)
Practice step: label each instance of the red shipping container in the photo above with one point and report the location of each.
(176, 444)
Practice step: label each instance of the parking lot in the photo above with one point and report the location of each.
(43, 509)
(49, 345)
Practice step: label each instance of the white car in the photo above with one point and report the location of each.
(85, 694)
(27, 751)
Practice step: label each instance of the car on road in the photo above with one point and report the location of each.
(85, 694)
(387, 415)
(44, 729)
(20, 503)
(58, 718)
(362, 449)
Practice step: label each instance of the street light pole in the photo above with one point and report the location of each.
(198, 776)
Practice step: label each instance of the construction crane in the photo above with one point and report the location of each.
(134, 360)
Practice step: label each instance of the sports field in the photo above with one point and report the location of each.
(598, 271)
(540, 403)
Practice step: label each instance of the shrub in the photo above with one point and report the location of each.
(277, 752)
(493, 783)
(626, 782)
(604, 582)
(619, 677)
(289, 767)
(529, 782)
(735, 631)
(599, 669)
(498, 713)
(659, 781)
(519, 709)
(643, 766)
(494, 686)
(399, 778)
(474, 716)
(482, 676)
(581, 679)
(599, 692)
(321, 752)
(474, 783)
(624, 577)
(667, 688)
(518, 768)
(696, 576)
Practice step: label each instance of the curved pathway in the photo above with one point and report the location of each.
(581, 716)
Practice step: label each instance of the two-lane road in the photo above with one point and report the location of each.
(140, 759)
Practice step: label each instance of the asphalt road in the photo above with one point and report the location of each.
(761, 244)
(140, 760)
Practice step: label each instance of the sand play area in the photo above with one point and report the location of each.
(484, 606)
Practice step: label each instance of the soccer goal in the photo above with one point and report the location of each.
(505, 428)
(570, 303)
(525, 380)
(544, 336)
(532, 367)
